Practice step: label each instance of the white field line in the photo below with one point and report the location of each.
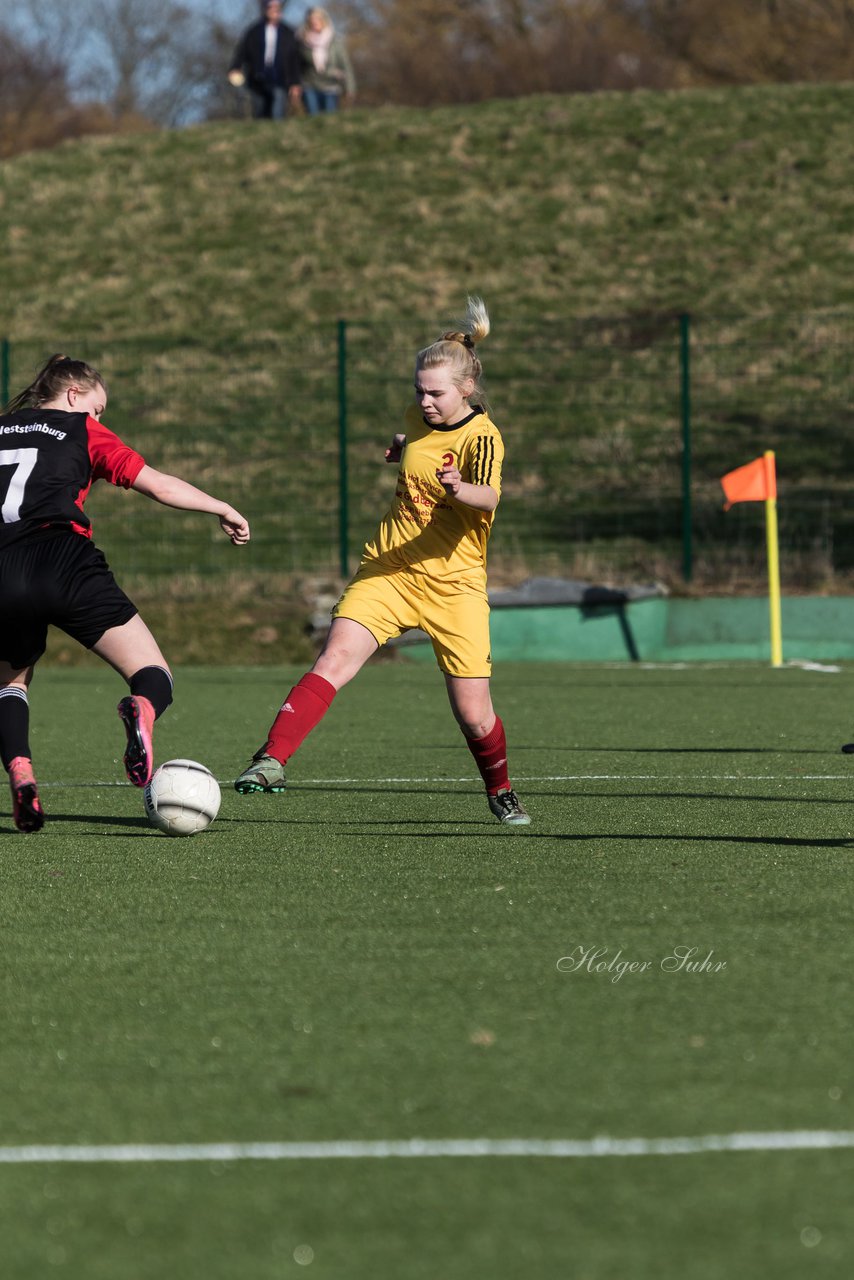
(423, 1148)
(518, 778)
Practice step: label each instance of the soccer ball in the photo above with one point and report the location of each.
(182, 797)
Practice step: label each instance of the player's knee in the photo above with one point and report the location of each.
(338, 664)
(477, 727)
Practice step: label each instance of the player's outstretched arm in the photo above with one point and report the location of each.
(175, 492)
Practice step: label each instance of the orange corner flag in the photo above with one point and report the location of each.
(755, 482)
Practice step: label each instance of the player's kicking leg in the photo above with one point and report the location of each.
(132, 650)
(303, 709)
(348, 647)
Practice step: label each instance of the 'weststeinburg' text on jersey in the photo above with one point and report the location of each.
(49, 460)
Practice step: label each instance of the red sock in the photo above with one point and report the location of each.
(490, 756)
(304, 707)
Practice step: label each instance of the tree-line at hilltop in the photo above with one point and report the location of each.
(113, 66)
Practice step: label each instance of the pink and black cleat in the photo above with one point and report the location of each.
(137, 716)
(27, 812)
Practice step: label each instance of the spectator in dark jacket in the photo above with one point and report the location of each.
(267, 61)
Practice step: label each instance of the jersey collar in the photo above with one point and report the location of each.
(455, 426)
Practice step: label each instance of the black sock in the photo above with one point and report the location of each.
(154, 683)
(14, 724)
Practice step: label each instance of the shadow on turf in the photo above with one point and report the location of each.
(678, 751)
(142, 825)
(692, 795)
(387, 824)
(98, 819)
(610, 837)
(774, 842)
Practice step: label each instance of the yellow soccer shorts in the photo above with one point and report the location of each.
(454, 615)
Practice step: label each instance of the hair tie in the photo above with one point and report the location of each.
(454, 335)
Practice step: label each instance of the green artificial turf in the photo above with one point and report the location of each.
(372, 957)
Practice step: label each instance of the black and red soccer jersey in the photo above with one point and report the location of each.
(49, 460)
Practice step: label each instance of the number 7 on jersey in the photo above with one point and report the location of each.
(23, 460)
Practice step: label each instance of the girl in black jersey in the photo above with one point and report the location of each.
(52, 449)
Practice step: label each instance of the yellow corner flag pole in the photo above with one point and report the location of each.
(773, 561)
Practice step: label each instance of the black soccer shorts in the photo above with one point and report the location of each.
(56, 577)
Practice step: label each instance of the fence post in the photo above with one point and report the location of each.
(685, 413)
(343, 486)
(5, 393)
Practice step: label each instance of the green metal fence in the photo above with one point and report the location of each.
(617, 432)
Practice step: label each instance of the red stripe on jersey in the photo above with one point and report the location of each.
(111, 460)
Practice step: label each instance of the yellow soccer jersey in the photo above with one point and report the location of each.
(425, 530)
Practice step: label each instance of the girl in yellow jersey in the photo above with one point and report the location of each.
(425, 567)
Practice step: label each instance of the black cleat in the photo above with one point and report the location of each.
(509, 809)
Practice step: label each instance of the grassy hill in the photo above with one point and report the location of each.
(722, 201)
(204, 271)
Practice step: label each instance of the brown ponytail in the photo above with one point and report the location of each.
(59, 372)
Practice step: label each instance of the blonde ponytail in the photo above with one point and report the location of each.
(456, 348)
